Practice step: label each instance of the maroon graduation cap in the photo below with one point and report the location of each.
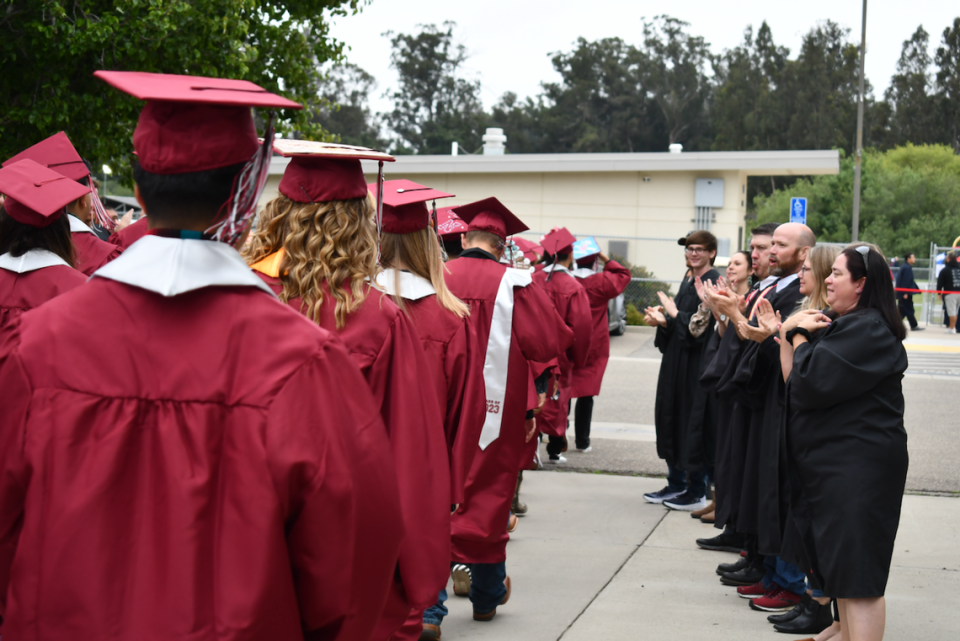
(405, 205)
(491, 216)
(558, 241)
(449, 224)
(321, 171)
(194, 123)
(36, 195)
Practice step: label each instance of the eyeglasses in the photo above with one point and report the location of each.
(805, 269)
(695, 250)
(864, 251)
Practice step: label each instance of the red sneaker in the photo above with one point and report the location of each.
(779, 600)
(756, 590)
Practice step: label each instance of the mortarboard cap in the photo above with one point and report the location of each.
(36, 195)
(491, 216)
(586, 250)
(193, 123)
(448, 223)
(322, 171)
(558, 241)
(56, 153)
(530, 249)
(404, 205)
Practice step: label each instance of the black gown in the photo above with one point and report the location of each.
(685, 415)
(847, 451)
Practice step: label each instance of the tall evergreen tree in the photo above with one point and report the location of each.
(345, 112)
(910, 96)
(435, 105)
(948, 85)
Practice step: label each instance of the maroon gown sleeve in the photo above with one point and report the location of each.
(616, 277)
(14, 402)
(466, 405)
(411, 414)
(540, 332)
(336, 477)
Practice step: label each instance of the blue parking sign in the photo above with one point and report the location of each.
(798, 210)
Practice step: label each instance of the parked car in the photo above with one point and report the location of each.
(617, 316)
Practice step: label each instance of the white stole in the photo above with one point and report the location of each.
(497, 360)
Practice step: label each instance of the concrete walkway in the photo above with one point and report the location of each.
(593, 560)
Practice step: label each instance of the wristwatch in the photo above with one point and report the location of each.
(802, 331)
(723, 318)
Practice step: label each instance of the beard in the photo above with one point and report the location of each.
(786, 265)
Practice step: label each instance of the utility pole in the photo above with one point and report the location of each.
(855, 226)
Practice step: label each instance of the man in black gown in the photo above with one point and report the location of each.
(685, 415)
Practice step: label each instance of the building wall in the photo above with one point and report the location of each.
(612, 204)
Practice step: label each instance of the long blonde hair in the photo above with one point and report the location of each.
(419, 253)
(333, 242)
(821, 257)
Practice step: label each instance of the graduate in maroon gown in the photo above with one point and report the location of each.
(570, 301)
(204, 463)
(413, 275)
(59, 154)
(316, 247)
(36, 255)
(601, 287)
(515, 323)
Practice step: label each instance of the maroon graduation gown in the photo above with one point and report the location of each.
(92, 253)
(129, 234)
(22, 292)
(450, 344)
(570, 301)
(211, 467)
(386, 347)
(600, 288)
(480, 523)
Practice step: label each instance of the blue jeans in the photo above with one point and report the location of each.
(816, 592)
(435, 613)
(786, 575)
(677, 480)
(486, 586)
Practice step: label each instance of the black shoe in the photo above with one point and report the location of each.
(749, 575)
(726, 541)
(791, 614)
(814, 619)
(726, 568)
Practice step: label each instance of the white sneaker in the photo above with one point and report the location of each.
(949, 331)
(555, 461)
(588, 448)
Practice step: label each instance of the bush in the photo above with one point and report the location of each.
(634, 317)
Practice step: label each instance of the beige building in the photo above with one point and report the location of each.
(636, 205)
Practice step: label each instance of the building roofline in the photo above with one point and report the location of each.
(752, 163)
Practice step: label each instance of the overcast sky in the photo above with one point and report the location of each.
(509, 41)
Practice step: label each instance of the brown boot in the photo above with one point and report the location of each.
(696, 514)
(709, 517)
(489, 615)
(518, 508)
(430, 632)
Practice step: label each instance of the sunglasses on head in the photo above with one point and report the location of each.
(864, 251)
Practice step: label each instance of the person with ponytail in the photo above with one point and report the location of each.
(413, 275)
(36, 255)
(316, 247)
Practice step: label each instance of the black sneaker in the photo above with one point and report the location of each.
(726, 541)
(686, 502)
(790, 615)
(814, 619)
(726, 568)
(661, 496)
(749, 575)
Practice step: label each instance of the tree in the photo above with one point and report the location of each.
(345, 93)
(50, 49)
(948, 85)
(676, 73)
(747, 111)
(434, 105)
(910, 95)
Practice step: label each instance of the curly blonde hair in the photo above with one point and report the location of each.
(333, 242)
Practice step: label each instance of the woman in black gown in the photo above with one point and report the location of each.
(847, 447)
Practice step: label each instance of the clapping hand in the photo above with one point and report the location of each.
(768, 323)
(669, 307)
(653, 317)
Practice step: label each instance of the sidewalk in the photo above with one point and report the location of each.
(592, 561)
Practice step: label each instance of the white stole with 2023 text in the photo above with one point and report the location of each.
(497, 360)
